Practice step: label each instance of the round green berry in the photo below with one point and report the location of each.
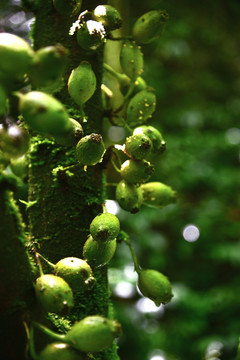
(157, 194)
(76, 272)
(90, 149)
(155, 286)
(93, 333)
(82, 83)
(159, 145)
(16, 56)
(129, 196)
(140, 108)
(14, 141)
(138, 146)
(72, 136)
(54, 294)
(98, 253)
(149, 26)
(105, 227)
(109, 17)
(61, 351)
(44, 113)
(91, 35)
(131, 59)
(67, 7)
(136, 171)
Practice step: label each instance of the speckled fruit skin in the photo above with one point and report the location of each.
(131, 59)
(61, 351)
(16, 56)
(129, 196)
(136, 171)
(157, 194)
(67, 7)
(82, 83)
(98, 253)
(109, 17)
(149, 26)
(72, 136)
(90, 149)
(105, 227)
(14, 141)
(140, 108)
(138, 146)
(155, 286)
(76, 272)
(154, 135)
(44, 113)
(54, 294)
(91, 35)
(93, 333)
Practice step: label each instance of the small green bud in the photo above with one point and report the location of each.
(82, 83)
(138, 146)
(67, 7)
(76, 272)
(105, 227)
(140, 107)
(16, 56)
(109, 17)
(129, 196)
(48, 65)
(54, 294)
(98, 253)
(149, 26)
(90, 149)
(44, 113)
(136, 171)
(157, 194)
(131, 59)
(72, 136)
(14, 141)
(19, 166)
(91, 35)
(61, 351)
(155, 286)
(93, 333)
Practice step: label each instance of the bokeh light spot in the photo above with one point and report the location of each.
(191, 233)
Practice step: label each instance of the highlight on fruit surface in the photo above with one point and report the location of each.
(136, 171)
(44, 113)
(72, 136)
(105, 227)
(158, 143)
(90, 149)
(149, 26)
(109, 17)
(140, 108)
(131, 59)
(91, 35)
(129, 196)
(82, 83)
(67, 7)
(76, 272)
(98, 253)
(14, 140)
(155, 286)
(138, 146)
(61, 351)
(157, 194)
(93, 333)
(16, 56)
(54, 294)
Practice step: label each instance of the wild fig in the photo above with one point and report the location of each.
(61, 351)
(109, 17)
(136, 171)
(129, 196)
(131, 59)
(140, 108)
(105, 227)
(90, 149)
(98, 253)
(138, 146)
(157, 194)
(91, 35)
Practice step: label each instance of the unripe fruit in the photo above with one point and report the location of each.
(105, 227)
(61, 351)
(54, 294)
(157, 194)
(48, 65)
(136, 171)
(98, 253)
(19, 166)
(129, 196)
(140, 84)
(67, 7)
(90, 149)
(76, 272)
(3, 100)
(155, 286)
(72, 136)
(16, 56)
(149, 26)
(159, 145)
(91, 35)
(44, 113)
(140, 108)
(82, 83)
(109, 17)
(14, 141)
(138, 146)
(93, 333)
(131, 59)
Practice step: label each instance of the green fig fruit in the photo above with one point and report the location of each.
(140, 108)
(14, 141)
(98, 253)
(136, 171)
(91, 35)
(90, 149)
(131, 59)
(109, 17)
(158, 143)
(72, 136)
(157, 194)
(105, 227)
(61, 351)
(138, 146)
(129, 196)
